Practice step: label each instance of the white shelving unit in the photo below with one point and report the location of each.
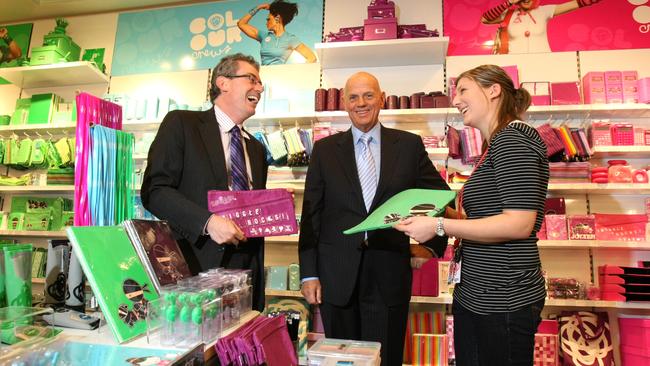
(33, 234)
(39, 189)
(34, 129)
(393, 52)
(54, 75)
(634, 151)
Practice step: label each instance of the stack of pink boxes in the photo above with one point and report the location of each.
(381, 22)
(618, 283)
(610, 87)
(635, 340)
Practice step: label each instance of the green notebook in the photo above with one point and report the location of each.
(116, 276)
(412, 202)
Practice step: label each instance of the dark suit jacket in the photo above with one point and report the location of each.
(333, 202)
(185, 161)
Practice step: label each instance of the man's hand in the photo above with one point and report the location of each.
(223, 230)
(311, 291)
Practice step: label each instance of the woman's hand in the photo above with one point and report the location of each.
(418, 228)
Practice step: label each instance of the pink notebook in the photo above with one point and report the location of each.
(259, 213)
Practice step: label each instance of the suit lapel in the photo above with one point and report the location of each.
(389, 154)
(346, 157)
(211, 136)
(257, 168)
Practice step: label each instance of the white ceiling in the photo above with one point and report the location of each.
(16, 11)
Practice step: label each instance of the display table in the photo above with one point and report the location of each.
(103, 335)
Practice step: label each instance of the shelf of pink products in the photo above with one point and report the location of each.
(447, 299)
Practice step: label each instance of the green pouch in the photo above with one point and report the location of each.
(37, 158)
(2, 150)
(24, 152)
(63, 148)
(52, 155)
(37, 221)
(67, 218)
(72, 145)
(11, 151)
(15, 220)
(18, 274)
(23, 180)
(56, 213)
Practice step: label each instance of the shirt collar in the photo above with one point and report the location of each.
(225, 123)
(375, 133)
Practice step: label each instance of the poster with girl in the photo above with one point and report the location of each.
(533, 26)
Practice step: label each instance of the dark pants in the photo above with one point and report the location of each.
(501, 339)
(366, 317)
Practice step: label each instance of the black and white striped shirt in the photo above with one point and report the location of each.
(503, 277)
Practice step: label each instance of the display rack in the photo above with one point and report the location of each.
(54, 75)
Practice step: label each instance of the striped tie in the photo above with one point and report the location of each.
(367, 173)
(237, 161)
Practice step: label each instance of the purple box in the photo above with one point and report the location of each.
(415, 31)
(630, 87)
(427, 101)
(376, 29)
(381, 9)
(513, 72)
(539, 92)
(565, 93)
(259, 213)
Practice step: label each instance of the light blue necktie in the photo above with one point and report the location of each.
(367, 173)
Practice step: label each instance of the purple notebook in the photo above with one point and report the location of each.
(158, 251)
(259, 213)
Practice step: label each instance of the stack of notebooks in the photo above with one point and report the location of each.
(126, 266)
(624, 283)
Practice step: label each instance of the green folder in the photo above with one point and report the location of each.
(116, 276)
(412, 202)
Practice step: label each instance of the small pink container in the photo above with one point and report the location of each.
(634, 331)
(635, 356)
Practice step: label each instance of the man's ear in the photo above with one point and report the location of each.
(223, 83)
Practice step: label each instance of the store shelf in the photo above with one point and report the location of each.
(298, 185)
(28, 189)
(597, 304)
(139, 157)
(443, 299)
(38, 280)
(54, 75)
(282, 239)
(438, 153)
(381, 53)
(284, 119)
(420, 115)
(589, 188)
(583, 111)
(33, 234)
(42, 129)
(628, 152)
(136, 125)
(601, 244)
(282, 293)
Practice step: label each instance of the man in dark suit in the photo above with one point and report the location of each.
(195, 152)
(362, 281)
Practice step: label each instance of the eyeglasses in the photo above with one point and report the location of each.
(250, 77)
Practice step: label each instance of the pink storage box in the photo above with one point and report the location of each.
(614, 87)
(643, 89)
(635, 356)
(425, 279)
(565, 93)
(375, 29)
(548, 326)
(634, 331)
(593, 87)
(630, 87)
(381, 9)
(613, 78)
(513, 72)
(539, 92)
(546, 351)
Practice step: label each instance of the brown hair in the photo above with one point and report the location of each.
(228, 67)
(513, 102)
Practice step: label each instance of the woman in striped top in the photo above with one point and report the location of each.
(498, 302)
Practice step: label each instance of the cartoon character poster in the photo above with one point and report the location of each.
(533, 26)
(197, 36)
(14, 44)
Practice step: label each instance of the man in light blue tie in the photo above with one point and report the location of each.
(362, 282)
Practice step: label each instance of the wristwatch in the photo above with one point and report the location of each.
(440, 227)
